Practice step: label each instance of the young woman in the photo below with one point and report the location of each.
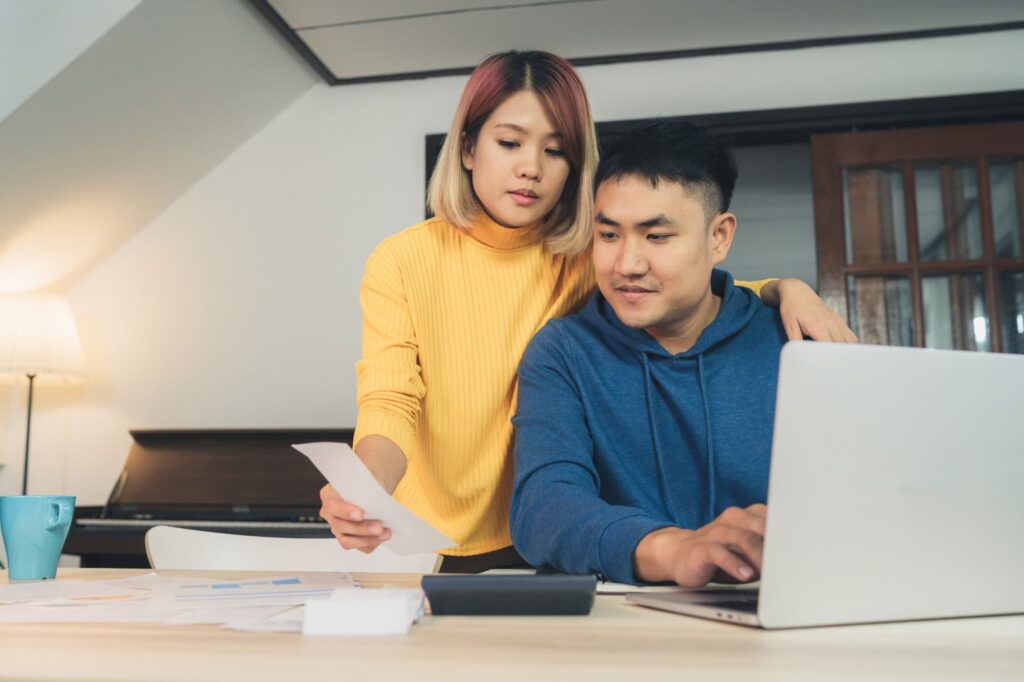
(450, 304)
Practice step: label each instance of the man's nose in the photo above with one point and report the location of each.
(631, 261)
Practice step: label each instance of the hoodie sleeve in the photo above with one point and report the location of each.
(558, 518)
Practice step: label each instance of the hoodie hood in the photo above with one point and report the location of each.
(738, 307)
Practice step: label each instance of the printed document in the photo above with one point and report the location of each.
(346, 472)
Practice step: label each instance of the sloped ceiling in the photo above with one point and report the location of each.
(366, 40)
(120, 133)
(39, 38)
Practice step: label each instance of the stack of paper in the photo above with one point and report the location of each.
(364, 612)
(243, 604)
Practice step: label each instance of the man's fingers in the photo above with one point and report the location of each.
(746, 543)
(730, 563)
(760, 510)
(742, 519)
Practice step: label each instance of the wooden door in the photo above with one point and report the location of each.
(920, 234)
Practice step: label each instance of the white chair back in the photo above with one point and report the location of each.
(170, 547)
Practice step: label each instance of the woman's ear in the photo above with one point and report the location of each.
(467, 152)
(721, 232)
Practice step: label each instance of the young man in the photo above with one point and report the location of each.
(644, 422)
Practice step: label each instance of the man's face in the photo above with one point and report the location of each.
(654, 251)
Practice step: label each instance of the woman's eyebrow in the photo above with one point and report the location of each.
(511, 126)
(520, 129)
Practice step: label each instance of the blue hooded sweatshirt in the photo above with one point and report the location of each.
(615, 437)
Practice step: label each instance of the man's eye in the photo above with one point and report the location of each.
(607, 236)
(658, 237)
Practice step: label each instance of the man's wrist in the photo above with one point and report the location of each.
(653, 559)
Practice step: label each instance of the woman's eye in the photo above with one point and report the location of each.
(508, 144)
(552, 151)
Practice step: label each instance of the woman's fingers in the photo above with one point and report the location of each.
(348, 525)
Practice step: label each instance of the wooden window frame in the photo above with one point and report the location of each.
(980, 143)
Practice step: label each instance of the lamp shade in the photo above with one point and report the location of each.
(38, 337)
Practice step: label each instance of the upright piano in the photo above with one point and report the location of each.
(247, 481)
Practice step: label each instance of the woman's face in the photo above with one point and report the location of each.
(517, 163)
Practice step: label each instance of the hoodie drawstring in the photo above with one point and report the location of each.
(711, 442)
(663, 489)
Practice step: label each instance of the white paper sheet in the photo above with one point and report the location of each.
(158, 599)
(286, 620)
(389, 611)
(276, 591)
(48, 590)
(346, 472)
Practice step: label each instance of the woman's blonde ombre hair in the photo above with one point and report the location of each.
(568, 228)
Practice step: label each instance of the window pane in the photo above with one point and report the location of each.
(880, 310)
(948, 223)
(1003, 179)
(1011, 306)
(876, 225)
(955, 313)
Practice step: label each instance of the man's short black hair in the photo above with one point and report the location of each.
(678, 152)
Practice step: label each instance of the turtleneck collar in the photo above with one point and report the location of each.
(496, 236)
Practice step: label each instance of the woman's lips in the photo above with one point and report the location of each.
(523, 198)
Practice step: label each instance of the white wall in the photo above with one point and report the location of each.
(774, 207)
(237, 307)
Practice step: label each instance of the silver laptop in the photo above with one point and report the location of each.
(896, 491)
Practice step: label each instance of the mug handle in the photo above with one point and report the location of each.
(60, 515)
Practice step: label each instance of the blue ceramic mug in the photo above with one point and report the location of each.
(34, 529)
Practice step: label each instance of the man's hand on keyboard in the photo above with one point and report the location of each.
(728, 549)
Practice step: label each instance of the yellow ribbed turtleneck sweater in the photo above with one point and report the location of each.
(447, 315)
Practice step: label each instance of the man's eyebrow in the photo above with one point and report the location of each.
(656, 221)
(602, 219)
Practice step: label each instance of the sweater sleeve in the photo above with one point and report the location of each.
(754, 286)
(389, 388)
(557, 516)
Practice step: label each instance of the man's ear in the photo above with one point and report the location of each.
(467, 152)
(721, 231)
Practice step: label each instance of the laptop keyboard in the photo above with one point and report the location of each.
(744, 604)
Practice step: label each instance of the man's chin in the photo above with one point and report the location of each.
(630, 319)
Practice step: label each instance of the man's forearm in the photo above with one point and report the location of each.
(383, 458)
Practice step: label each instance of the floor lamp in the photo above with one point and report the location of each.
(38, 343)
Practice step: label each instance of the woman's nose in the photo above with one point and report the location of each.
(529, 167)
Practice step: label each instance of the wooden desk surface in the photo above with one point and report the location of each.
(616, 642)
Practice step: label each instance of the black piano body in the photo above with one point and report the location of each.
(248, 481)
